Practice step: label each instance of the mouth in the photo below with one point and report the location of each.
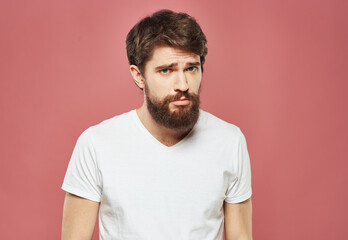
(181, 102)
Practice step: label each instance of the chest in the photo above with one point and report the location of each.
(145, 190)
(168, 180)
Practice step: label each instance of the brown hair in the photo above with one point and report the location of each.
(167, 28)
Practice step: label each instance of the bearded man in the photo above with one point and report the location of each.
(167, 170)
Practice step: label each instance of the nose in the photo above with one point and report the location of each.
(181, 83)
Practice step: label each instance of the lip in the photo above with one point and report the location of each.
(181, 102)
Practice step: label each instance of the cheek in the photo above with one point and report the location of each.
(195, 85)
(159, 90)
(164, 86)
(155, 86)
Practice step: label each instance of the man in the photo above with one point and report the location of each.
(167, 170)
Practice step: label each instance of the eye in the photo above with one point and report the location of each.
(192, 69)
(165, 70)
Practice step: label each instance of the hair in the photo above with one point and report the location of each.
(164, 28)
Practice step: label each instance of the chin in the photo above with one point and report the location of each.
(175, 107)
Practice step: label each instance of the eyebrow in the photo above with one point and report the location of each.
(195, 64)
(175, 64)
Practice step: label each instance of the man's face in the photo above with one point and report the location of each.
(172, 83)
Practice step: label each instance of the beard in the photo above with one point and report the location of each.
(181, 118)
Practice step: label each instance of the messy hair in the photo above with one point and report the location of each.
(164, 28)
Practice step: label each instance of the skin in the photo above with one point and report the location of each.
(238, 220)
(79, 218)
(168, 71)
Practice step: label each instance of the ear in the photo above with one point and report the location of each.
(137, 76)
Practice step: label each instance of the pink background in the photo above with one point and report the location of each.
(277, 69)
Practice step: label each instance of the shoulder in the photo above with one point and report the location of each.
(117, 124)
(213, 123)
(213, 128)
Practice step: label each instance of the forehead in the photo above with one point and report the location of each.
(166, 54)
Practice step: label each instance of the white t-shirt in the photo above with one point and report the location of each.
(149, 191)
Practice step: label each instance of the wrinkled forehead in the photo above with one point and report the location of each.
(168, 55)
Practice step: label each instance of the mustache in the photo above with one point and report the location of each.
(180, 95)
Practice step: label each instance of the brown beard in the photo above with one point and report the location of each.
(182, 118)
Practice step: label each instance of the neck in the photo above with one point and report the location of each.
(166, 136)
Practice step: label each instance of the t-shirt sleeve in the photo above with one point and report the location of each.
(239, 188)
(82, 177)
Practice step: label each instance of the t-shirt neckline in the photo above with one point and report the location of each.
(154, 140)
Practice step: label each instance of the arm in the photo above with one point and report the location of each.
(238, 220)
(79, 217)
